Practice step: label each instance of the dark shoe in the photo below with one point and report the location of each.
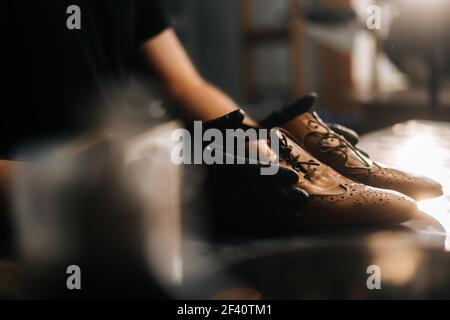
(334, 150)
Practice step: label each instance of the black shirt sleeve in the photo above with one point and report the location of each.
(151, 19)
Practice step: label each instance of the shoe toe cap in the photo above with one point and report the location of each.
(387, 207)
(398, 208)
(426, 188)
(361, 206)
(415, 186)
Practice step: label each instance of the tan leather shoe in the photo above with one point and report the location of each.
(334, 150)
(338, 201)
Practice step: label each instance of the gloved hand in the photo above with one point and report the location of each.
(250, 170)
(245, 202)
(349, 134)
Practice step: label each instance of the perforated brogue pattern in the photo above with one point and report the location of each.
(358, 196)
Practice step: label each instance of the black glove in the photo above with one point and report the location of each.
(349, 134)
(244, 201)
(290, 111)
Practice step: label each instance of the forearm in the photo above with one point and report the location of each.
(198, 99)
(203, 101)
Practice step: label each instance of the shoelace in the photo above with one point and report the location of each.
(299, 166)
(339, 148)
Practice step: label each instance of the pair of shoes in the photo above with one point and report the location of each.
(345, 187)
(335, 200)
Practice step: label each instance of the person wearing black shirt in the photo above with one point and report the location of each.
(57, 75)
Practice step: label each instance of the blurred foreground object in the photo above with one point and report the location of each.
(100, 206)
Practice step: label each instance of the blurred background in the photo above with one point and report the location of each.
(265, 53)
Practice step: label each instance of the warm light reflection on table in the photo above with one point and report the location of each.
(422, 147)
